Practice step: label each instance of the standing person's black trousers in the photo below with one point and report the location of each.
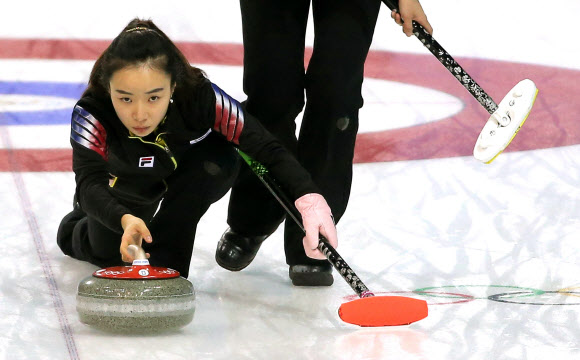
(275, 82)
(204, 174)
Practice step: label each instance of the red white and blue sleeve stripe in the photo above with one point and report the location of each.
(87, 131)
(229, 116)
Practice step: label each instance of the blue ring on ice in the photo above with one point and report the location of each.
(62, 116)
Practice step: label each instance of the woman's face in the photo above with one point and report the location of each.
(140, 96)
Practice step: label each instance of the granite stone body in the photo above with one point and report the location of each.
(136, 306)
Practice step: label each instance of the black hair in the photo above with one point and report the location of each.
(142, 43)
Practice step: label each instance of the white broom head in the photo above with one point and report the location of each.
(503, 125)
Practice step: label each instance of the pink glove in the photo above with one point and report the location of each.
(316, 218)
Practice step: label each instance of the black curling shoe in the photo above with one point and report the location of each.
(234, 251)
(311, 275)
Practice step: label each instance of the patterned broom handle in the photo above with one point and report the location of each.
(450, 64)
(331, 254)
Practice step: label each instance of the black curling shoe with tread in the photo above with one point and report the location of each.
(311, 275)
(235, 252)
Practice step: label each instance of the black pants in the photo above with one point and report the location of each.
(204, 175)
(275, 81)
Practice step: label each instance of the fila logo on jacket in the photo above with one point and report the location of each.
(146, 161)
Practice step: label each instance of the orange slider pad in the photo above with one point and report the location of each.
(383, 311)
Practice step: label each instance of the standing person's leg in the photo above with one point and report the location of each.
(204, 175)
(274, 35)
(343, 34)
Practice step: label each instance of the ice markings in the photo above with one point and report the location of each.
(32, 103)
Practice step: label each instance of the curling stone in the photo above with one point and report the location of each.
(137, 299)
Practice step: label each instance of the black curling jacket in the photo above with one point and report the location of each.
(113, 168)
